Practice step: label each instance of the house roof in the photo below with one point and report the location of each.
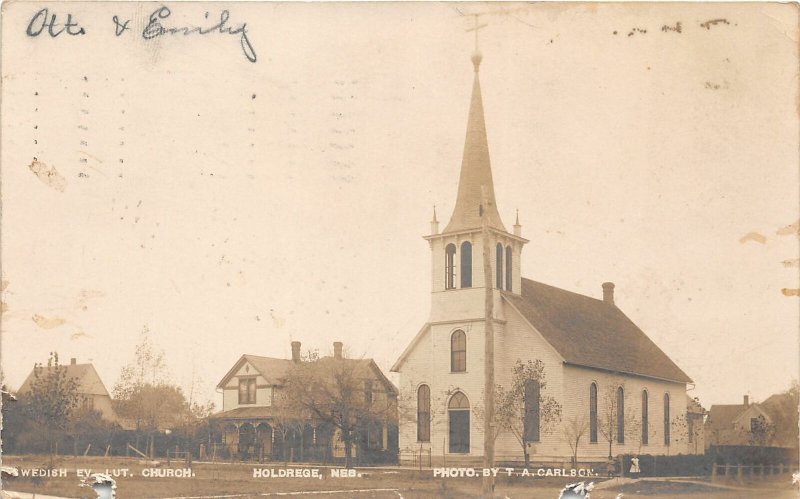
(723, 416)
(275, 370)
(88, 381)
(476, 170)
(272, 369)
(592, 333)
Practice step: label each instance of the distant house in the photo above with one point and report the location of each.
(752, 424)
(91, 390)
(253, 421)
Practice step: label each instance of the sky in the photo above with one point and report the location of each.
(230, 207)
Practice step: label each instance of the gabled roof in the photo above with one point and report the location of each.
(364, 367)
(272, 369)
(86, 377)
(476, 170)
(723, 416)
(592, 333)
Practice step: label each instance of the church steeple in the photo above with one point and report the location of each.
(476, 169)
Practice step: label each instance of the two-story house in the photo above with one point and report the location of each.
(257, 420)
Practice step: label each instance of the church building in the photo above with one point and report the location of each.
(613, 384)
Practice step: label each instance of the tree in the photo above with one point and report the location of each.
(144, 395)
(573, 430)
(515, 407)
(334, 391)
(52, 399)
(613, 414)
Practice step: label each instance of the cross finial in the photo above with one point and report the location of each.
(476, 56)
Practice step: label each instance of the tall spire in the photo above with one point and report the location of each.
(476, 169)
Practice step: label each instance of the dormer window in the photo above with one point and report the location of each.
(247, 390)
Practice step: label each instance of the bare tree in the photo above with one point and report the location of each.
(573, 431)
(615, 421)
(336, 391)
(523, 409)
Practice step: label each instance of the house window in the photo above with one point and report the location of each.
(593, 413)
(466, 264)
(666, 419)
(450, 266)
(368, 391)
(498, 270)
(754, 425)
(247, 390)
(645, 410)
(424, 413)
(531, 422)
(508, 268)
(620, 415)
(458, 415)
(458, 352)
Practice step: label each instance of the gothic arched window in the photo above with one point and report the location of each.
(645, 416)
(424, 413)
(666, 419)
(458, 352)
(466, 264)
(499, 266)
(593, 413)
(509, 257)
(531, 422)
(620, 415)
(450, 266)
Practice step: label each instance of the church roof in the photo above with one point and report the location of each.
(476, 170)
(592, 333)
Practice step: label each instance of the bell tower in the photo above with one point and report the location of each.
(458, 282)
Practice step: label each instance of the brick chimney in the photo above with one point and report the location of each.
(746, 401)
(608, 292)
(337, 349)
(73, 361)
(296, 351)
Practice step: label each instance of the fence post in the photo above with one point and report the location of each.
(714, 472)
(739, 472)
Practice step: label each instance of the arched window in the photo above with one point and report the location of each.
(424, 413)
(466, 264)
(450, 266)
(620, 415)
(666, 419)
(458, 352)
(531, 422)
(509, 258)
(593, 413)
(499, 266)
(458, 415)
(645, 415)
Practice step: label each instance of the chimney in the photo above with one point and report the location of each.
(746, 401)
(337, 349)
(295, 351)
(608, 292)
(73, 361)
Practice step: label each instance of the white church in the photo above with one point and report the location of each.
(594, 356)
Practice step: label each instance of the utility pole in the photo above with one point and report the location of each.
(488, 390)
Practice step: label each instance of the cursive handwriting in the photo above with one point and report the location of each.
(155, 29)
(43, 19)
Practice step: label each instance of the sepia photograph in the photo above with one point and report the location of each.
(399, 250)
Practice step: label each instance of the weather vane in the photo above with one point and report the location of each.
(476, 28)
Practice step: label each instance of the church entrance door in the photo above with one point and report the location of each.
(459, 423)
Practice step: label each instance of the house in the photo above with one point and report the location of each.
(613, 383)
(772, 423)
(91, 390)
(256, 421)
